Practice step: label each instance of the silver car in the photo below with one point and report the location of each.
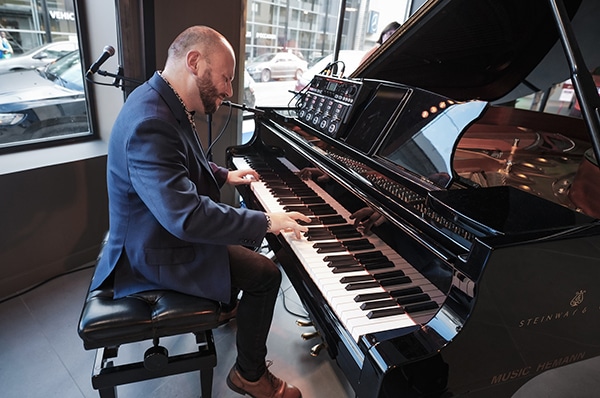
(281, 65)
(39, 56)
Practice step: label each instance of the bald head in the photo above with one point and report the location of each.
(200, 66)
(201, 38)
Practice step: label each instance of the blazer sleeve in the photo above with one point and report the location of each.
(220, 173)
(160, 167)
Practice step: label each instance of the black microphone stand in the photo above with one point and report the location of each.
(119, 78)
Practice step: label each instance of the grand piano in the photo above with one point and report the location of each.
(482, 269)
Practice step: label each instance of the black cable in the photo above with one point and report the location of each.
(285, 306)
(221, 133)
(84, 267)
(299, 95)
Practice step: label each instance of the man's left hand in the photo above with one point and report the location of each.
(240, 177)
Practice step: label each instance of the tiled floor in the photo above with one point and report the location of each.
(42, 356)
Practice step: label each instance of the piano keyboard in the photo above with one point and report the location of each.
(369, 286)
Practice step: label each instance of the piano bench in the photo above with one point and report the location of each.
(106, 324)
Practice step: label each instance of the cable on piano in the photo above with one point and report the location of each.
(331, 69)
(326, 71)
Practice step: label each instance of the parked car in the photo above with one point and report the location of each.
(281, 65)
(249, 97)
(44, 102)
(350, 58)
(40, 56)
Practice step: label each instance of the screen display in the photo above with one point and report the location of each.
(376, 114)
(331, 86)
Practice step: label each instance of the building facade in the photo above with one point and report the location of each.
(31, 23)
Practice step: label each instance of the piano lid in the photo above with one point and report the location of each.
(470, 49)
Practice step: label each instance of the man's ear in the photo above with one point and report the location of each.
(193, 60)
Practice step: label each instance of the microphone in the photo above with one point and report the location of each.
(243, 107)
(108, 52)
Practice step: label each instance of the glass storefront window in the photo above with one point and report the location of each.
(42, 90)
(308, 29)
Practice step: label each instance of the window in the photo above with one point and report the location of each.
(308, 30)
(42, 94)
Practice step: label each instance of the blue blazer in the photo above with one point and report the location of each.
(167, 227)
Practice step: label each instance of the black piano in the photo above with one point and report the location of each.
(481, 271)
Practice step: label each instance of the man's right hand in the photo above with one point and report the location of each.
(288, 222)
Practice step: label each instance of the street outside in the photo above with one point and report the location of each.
(269, 94)
(275, 93)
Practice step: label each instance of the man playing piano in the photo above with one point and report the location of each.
(168, 229)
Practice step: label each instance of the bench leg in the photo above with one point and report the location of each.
(108, 392)
(106, 376)
(205, 342)
(206, 380)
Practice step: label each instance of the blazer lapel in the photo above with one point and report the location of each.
(189, 134)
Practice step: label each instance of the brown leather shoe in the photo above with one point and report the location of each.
(268, 386)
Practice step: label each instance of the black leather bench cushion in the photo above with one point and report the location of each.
(106, 322)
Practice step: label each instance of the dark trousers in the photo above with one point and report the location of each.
(259, 279)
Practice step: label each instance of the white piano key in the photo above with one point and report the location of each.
(341, 300)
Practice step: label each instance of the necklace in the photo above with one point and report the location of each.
(189, 114)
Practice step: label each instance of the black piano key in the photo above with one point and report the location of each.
(405, 291)
(281, 194)
(399, 280)
(371, 296)
(385, 312)
(303, 191)
(319, 235)
(378, 265)
(300, 209)
(358, 244)
(342, 263)
(342, 228)
(329, 220)
(332, 250)
(361, 285)
(335, 257)
(341, 270)
(429, 305)
(319, 238)
(372, 259)
(328, 245)
(413, 298)
(312, 199)
(356, 278)
(271, 176)
(347, 234)
(371, 305)
(322, 211)
(321, 206)
(368, 255)
(289, 201)
(389, 274)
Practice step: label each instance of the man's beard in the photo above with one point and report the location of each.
(208, 92)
